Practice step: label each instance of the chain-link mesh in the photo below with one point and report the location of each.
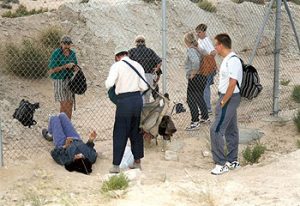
(97, 28)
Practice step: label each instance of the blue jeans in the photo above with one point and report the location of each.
(207, 92)
(61, 127)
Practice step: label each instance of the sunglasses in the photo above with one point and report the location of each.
(67, 43)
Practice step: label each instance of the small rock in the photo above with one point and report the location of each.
(171, 156)
(205, 153)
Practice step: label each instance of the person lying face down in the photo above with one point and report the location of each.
(69, 149)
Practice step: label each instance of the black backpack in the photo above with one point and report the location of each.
(77, 83)
(250, 87)
(24, 113)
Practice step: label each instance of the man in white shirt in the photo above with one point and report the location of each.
(225, 125)
(129, 106)
(205, 45)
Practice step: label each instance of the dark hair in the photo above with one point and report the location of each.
(201, 27)
(80, 165)
(122, 53)
(224, 39)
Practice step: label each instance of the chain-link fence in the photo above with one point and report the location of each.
(98, 27)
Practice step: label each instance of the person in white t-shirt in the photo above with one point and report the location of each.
(205, 45)
(225, 126)
(129, 86)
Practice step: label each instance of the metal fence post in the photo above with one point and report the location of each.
(292, 22)
(261, 30)
(164, 44)
(1, 148)
(277, 59)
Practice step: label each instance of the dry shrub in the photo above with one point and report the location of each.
(26, 60)
(50, 38)
(296, 94)
(207, 6)
(22, 11)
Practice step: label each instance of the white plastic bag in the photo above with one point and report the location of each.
(127, 159)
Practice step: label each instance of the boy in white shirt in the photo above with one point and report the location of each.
(205, 45)
(225, 124)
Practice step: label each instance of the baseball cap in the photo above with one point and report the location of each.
(120, 49)
(66, 40)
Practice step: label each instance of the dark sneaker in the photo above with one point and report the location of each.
(233, 165)
(115, 169)
(193, 126)
(136, 166)
(47, 135)
(219, 169)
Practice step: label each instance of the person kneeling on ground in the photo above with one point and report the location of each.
(70, 150)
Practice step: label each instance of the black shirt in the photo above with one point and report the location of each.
(145, 56)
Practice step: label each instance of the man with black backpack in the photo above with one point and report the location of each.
(62, 64)
(225, 124)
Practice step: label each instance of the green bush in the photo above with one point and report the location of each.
(298, 143)
(253, 1)
(22, 11)
(26, 60)
(252, 155)
(297, 121)
(10, 1)
(116, 182)
(151, 1)
(285, 82)
(207, 6)
(6, 6)
(296, 94)
(256, 1)
(238, 1)
(50, 38)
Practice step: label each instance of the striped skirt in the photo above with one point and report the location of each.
(62, 91)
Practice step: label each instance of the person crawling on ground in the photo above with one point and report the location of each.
(69, 149)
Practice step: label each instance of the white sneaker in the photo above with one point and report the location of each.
(204, 121)
(233, 165)
(193, 126)
(219, 169)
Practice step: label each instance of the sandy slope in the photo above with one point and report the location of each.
(35, 179)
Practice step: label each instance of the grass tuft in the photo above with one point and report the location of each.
(297, 121)
(116, 182)
(252, 154)
(296, 94)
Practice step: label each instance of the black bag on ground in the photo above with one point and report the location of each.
(24, 113)
(250, 86)
(77, 83)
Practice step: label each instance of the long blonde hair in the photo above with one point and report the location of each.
(190, 40)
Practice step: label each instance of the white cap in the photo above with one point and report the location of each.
(120, 49)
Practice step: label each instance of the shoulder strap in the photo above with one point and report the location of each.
(238, 85)
(134, 69)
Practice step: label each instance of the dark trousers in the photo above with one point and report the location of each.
(127, 121)
(195, 97)
(225, 125)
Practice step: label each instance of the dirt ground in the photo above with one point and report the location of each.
(33, 178)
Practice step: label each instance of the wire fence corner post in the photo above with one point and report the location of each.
(1, 148)
(164, 44)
